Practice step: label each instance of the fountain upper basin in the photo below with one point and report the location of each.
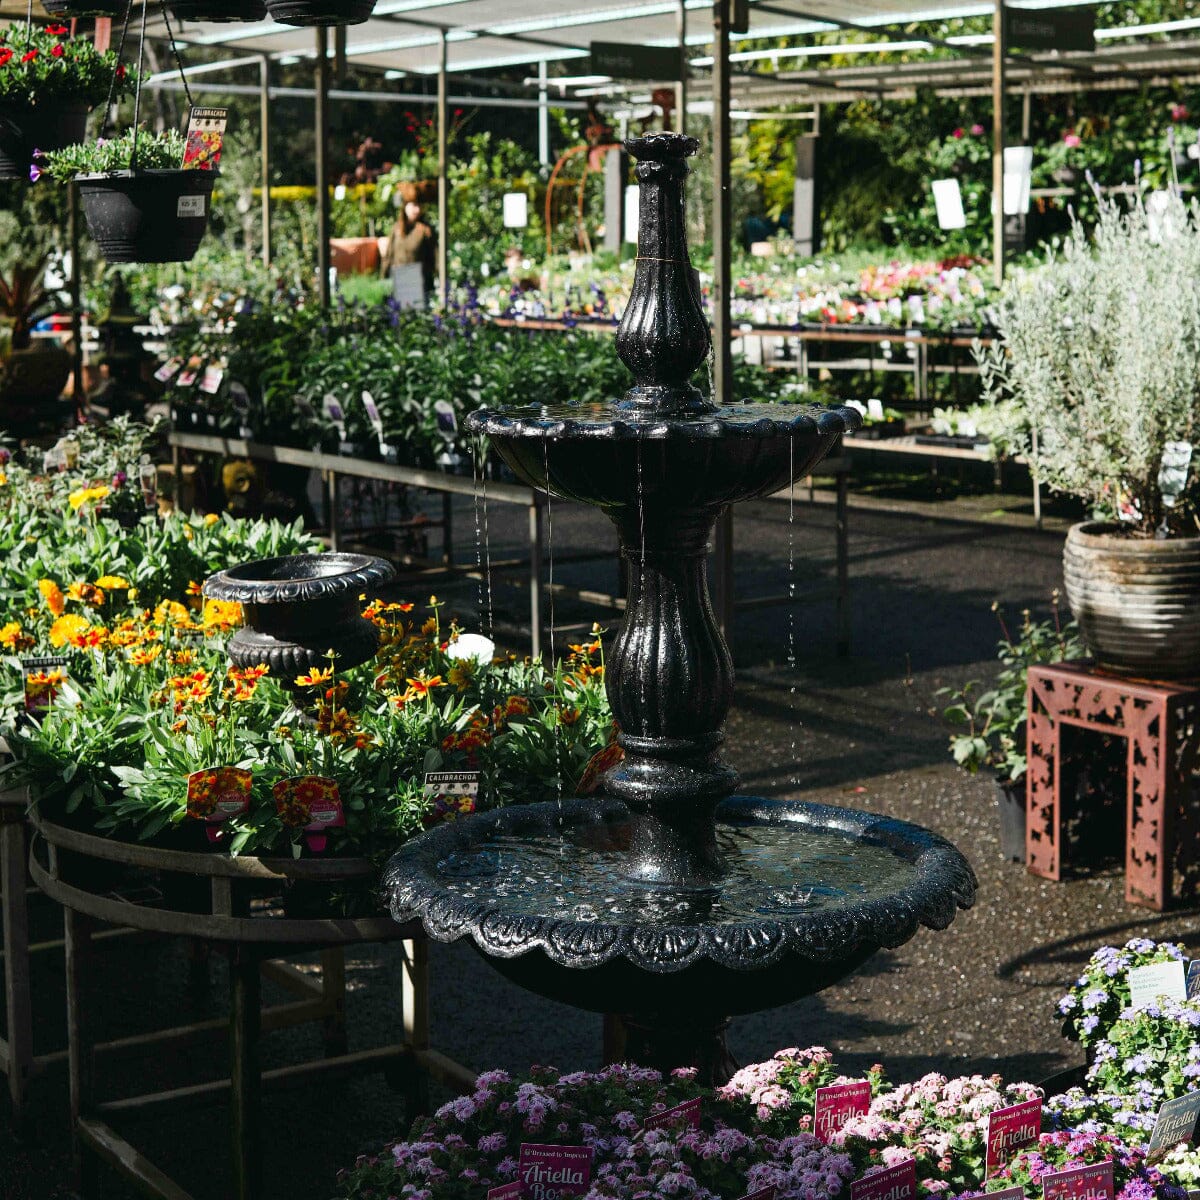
(810, 893)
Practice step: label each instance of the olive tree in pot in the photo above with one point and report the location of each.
(991, 721)
(141, 206)
(1098, 369)
(48, 82)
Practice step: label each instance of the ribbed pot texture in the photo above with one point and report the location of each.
(320, 12)
(218, 10)
(147, 216)
(1137, 600)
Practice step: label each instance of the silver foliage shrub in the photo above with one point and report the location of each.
(1098, 363)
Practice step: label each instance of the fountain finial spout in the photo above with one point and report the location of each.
(663, 336)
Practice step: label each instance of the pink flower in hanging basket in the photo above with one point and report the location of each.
(1072, 140)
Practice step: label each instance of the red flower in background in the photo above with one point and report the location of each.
(5, 55)
(29, 56)
(120, 70)
(57, 51)
(57, 30)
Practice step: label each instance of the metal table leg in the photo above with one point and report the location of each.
(16, 1054)
(80, 1045)
(245, 1072)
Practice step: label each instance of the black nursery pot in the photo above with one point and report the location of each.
(147, 216)
(320, 12)
(24, 129)
(218, 10)
(69, 9)
(1010, 807)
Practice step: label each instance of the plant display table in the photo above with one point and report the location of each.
(231, 904)
(1161, 723)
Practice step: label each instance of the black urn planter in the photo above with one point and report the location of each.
(67, 10)
(298, 608)
(1010, 807)
(26, 128)
(147, 216)
(320, 12)
(218, 10)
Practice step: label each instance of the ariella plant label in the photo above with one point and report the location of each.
(505, 1191)
(550, 1172)
(897, 1182)
(1094, 1182)
(687, 1113)
(837, 1104)
(1011, 1129)
(218, 794)
(763, 1193)
(1176, 1122)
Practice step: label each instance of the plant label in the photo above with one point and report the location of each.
(168, 370)
(1156, 981)
(189, 373)
(210, 381)
(368, 402)
(897, 1182)
(1175, 1123)
(687, 1113)
(837, 1104)
(333, 410)
(1009, 1130)
(764, 1193)
(205, 136)
(1193, 979)
(312, 803)
(1008, 1193)
(218, 794)
(875, 410)
(1093, 1182)
(41, 679)
(452, 794)
(550, 1172)
(506, 1191)
(190, 206)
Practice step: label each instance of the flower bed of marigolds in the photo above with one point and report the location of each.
(757, 1131)
(141, 694)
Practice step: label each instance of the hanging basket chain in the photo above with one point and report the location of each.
(112, 83)
(137, 86)
(178, 59)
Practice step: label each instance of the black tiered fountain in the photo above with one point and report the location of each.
(672, 901)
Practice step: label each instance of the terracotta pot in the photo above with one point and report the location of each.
(147, 216)
(1137, 600)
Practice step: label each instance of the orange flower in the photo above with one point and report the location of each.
(192, 589)
(172, 612)
(67, 627)
(13, 638)
(92, 637)
(422, 687)
(181, 658)
(363, 741)
(56, 602)
(317, 677)
(143, 656)
(221, 616)
(568, 716)
(86, 593)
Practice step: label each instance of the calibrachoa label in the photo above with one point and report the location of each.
(1011, 1129)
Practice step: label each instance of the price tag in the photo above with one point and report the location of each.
(1157, 981)
(168, 370)
(1009, 1130)
(837, 1104)
(210, 381)
(189, 373)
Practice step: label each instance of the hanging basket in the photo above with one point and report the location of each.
(320, 12)
(147, 216)
(24, 129)
(218, 10)
(67, 10)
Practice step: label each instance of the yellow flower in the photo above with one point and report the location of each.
(220, 616)
(66, 628)
(12, 637)
(211, 518)
(143, 656)
(315, 678)
(84, 496)
(460, 676)
(112, 583)
(3, 479)
(86, 593)
(172, 611)
(56, 602)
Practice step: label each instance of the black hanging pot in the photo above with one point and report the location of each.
(66, 10)
(320, 12)
(147, 216)
(218, 10)
(26, 128)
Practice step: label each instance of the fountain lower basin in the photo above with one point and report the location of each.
(809, 893)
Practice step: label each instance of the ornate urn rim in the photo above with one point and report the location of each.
(276, 581)
(944, 884)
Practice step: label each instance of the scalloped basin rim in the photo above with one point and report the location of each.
(297, 568)
(943, 883)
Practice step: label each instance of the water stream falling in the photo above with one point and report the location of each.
(641, 507)
(791, 607)
(555, 676)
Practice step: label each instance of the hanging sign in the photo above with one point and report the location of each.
(1050, 28)
(516, 210)
(205, 135)
(627, 60)
(947, 196)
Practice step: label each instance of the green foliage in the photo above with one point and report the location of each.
(155, 152)
(39, 67)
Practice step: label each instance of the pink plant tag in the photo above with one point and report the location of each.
(506, 1191)
(1008, 1193)
(550, 1172)
(765, 1193)
(897, 1182)
(687, 1113)
(1094, 1182)
(1009, 1130)
(837, 1104)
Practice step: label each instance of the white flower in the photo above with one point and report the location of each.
(472, 645)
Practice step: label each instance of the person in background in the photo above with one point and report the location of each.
(411, 244)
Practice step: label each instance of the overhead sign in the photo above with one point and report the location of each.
(624, 60)
(1050, 28)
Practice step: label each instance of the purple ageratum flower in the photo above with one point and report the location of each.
(35, 172)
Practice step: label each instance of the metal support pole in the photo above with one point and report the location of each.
(1026, 115)
(264, 108)
(721, 289)
(443, 132)
(543, 115)
(322, 132)
(998, 54)
(76, 301)
(535, 578)
(842, 523)
(681, 88)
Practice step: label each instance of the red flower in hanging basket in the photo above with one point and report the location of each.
(29, 56)
(120, 72)
(5, 55)
(57, 30)
(57, 51)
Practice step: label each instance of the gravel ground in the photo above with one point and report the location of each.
(862, 731)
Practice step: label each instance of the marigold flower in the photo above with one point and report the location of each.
(211, 519)
(56, 602)
(112, 583)
(66, 628)
(460, 676)
(422, 687)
